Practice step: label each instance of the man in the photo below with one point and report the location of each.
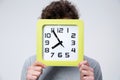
(88, 69)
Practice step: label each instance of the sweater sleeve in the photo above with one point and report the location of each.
(97, 72)
(27, 63)
(96, 66)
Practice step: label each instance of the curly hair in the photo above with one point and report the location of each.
(59, 10)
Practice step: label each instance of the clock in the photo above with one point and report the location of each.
(60, 42)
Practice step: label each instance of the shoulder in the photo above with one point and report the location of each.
(30, 60)
(92, 62)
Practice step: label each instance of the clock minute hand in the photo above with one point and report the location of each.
(57, 38)
(56, 35)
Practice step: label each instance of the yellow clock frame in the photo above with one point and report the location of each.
(76, 22)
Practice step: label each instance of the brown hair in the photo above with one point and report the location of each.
(59, 10)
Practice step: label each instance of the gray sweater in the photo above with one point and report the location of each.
(62, 73)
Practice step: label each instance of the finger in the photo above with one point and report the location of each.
(87, 68)
(31, 72)
(30, 77)
(88, 78)
(36, 63)
(36, 68)
(83, 63)
(34, 73)
(86, 73)
(34, 77)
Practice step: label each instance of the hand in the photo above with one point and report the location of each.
(34, 71)
(86, 72)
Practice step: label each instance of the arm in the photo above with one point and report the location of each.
(31, 69)
(92, 67)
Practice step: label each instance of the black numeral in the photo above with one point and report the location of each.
(73, 42)
(59, 54)
(47, 35)
(67, 55)
(52, 54)
(59, 30)
(73, 50)
(67, 30)
(47, 42)
(73, 35)
(46, 50)
(52, 29)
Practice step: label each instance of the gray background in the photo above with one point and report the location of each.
(18, 34)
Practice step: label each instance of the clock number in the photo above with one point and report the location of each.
(67, 30)
(73, 35)
(67, 55)
(52, 29)
(47, 35)
(46, 50)
(59, 30)
(47, 42)
(52, 54)
(73, 42)
(73, 50)
(59, 54)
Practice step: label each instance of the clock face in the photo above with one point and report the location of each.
(60, 43)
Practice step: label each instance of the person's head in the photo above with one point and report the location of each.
(60, 10)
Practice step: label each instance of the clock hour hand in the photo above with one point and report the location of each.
(57, 38)
(60, 43)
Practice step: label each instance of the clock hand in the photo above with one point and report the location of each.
(57, 44)
(57, 38)
(56, 35)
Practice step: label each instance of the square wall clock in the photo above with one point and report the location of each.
(60, 42)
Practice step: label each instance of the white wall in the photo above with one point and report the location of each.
(18, 34)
